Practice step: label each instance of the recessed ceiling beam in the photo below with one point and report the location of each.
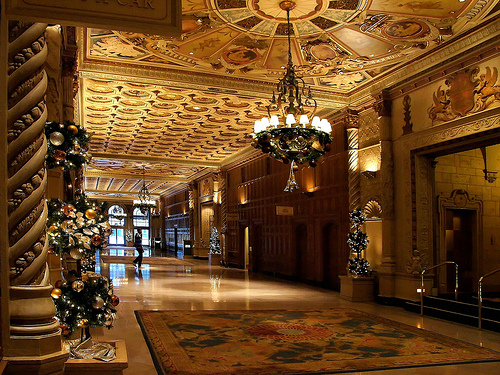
(134, 194)
(97, 173)
(152, 159)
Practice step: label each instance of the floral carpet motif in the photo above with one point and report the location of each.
(294, 342)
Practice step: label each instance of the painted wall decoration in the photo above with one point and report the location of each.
(469, 91)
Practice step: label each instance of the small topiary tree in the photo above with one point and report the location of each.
(357, 241)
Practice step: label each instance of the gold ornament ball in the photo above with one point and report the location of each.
(90, 213)
(59, 155)
(83, 323)
(76, 253)
(68, 209)
(108, 319)
(78, 285)
(73, 129)
(98, 303)
(56, 293)
(56, 138)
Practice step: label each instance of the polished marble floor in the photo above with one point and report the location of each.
(202, 287)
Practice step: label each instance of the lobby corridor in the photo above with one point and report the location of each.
(193, 285)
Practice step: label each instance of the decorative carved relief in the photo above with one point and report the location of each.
(373, 209)
(408, 127)
(383, 105)
(467, 92)
(368, 129)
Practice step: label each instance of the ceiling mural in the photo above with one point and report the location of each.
(338, 44)
(177, 131)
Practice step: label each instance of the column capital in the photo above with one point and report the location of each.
(383, 104)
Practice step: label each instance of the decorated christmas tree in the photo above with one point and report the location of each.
(214, 246)
(66, 145)
(84, 302)
(358, 242)
(78, 228)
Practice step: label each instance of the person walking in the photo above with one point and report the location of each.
(138, 246)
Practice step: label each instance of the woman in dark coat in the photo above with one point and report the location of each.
(138, 246)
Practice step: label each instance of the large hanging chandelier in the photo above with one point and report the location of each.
(145, 203)
(300, 137)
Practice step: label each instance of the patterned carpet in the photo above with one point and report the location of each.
(294, 342)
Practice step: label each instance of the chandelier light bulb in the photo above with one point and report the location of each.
(316, 123)
(265, 122)
(303, 120)
(325, 125)
(290, 119)
(257, 126)
(275, 121)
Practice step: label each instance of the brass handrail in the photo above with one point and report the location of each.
(422, 287)
(480, 294)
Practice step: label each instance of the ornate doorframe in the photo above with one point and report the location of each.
(460, 200)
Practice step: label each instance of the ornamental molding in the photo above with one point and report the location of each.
(453, 130)
(437, 58)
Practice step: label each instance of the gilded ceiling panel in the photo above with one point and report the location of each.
(248, 38)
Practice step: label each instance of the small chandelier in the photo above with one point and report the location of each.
(145, 203)
(302, 137)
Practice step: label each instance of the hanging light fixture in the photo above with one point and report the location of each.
(145, 203)
(300, 137)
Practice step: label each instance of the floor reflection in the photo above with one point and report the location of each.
(194, 285)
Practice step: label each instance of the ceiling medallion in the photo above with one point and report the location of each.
(298, 140)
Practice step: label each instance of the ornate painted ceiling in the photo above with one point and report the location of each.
(178, 127)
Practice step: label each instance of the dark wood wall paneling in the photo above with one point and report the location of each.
(310, 245)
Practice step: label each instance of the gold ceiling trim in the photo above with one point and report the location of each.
(130, 176)
(203, 82)
(152, 159)
(132, 194)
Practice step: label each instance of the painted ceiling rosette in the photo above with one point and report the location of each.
(339, 44)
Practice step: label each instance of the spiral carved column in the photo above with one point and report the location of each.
(351, 121)
(223, 196)
(33, 329)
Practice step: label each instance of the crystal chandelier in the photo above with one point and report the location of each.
(302, 137)
(145, 203)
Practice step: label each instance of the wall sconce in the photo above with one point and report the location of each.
(490, 176)
(217, 197)
(369, 174)
(308, 194)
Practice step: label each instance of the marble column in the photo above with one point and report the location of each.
(31, 335)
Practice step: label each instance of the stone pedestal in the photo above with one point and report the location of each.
(214, 259)
(94, 367)
(357, 289)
